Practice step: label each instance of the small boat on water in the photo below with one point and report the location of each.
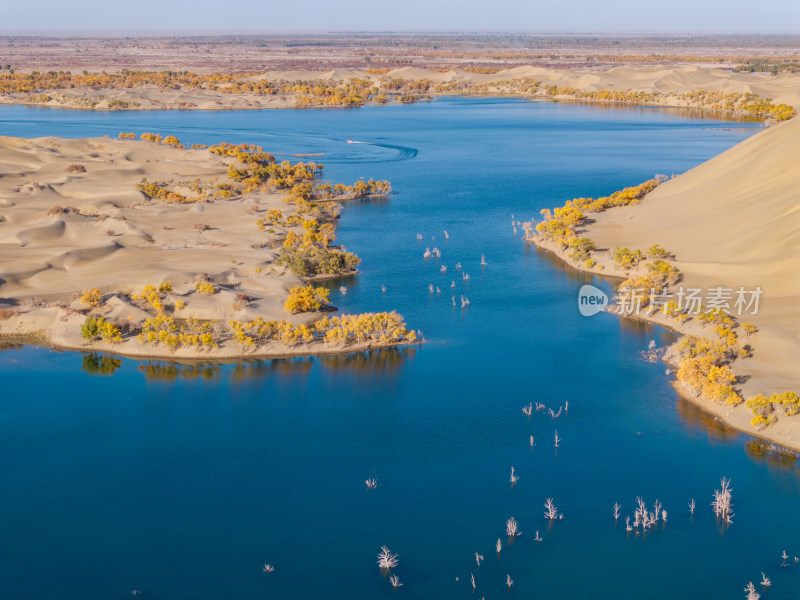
(350, 142)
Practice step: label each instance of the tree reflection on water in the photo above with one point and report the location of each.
(383, 360)
(100, 364)
(698, 419)
(774, 456)
(759, 450)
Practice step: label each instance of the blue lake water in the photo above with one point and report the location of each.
(182, 481)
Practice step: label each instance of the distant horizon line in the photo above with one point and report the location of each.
(253, 32)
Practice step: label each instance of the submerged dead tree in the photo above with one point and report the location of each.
(512, 528)
(752, 594)
(550, 510)
(386, 560)
(723, 503)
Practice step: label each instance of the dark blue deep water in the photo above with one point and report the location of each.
(182, 481)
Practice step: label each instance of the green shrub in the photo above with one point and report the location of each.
(311, 261)
(98, 328)
(657, 251)
(627, 258)
(582, 248)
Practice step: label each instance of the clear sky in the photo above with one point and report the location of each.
(722, 16)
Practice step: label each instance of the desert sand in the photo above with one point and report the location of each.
(733, 221)
(668, 82)
(782, 88)
(63, 231)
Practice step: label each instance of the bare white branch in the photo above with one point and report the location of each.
(512, 528)
(387, 560)
(551, 510)
(656, 511)
(723, 503)
(752, 594)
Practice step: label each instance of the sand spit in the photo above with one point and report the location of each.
(666, 86)
(732, 222)
(72, 219)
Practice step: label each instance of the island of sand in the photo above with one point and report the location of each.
(146, 248)
(729, 228)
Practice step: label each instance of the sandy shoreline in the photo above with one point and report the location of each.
(731, 222)
(740, 421)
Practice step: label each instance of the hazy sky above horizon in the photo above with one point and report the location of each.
(415, 15)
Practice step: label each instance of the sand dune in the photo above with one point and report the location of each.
(734, 221)
(38, 235)
(72, 260)
(61, 233)
(784, 87)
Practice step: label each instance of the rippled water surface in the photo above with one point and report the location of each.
(182, 481)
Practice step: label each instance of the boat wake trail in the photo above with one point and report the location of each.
(403, 152)
(378, 152)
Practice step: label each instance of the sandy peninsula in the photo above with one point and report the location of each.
(87, 225)
(732, 222)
